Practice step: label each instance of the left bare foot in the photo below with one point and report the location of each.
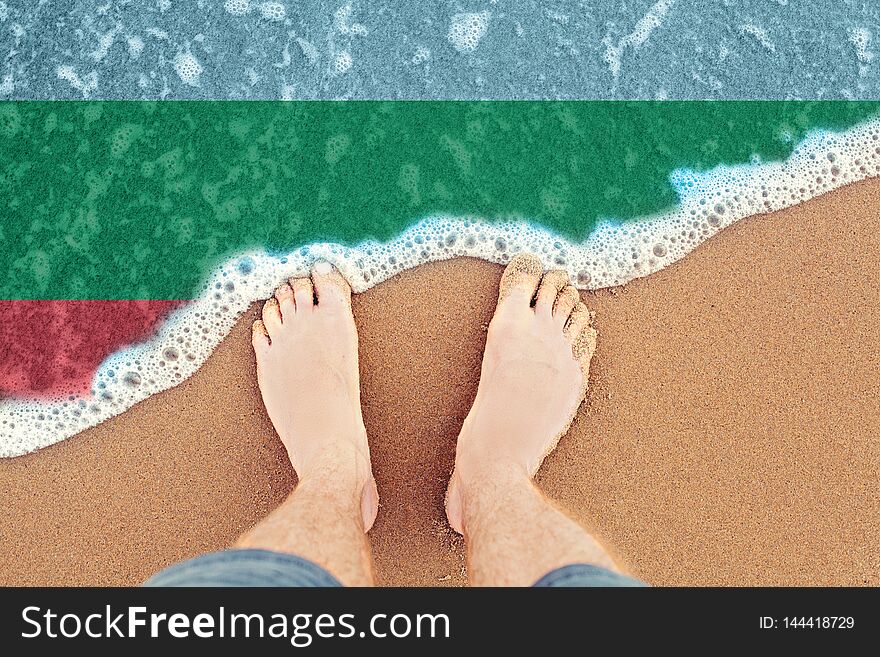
(307, 368)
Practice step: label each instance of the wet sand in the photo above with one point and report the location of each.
(730, 432)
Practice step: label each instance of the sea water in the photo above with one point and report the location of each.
(353, 49)
(568, 231)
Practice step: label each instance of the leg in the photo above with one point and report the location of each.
(533, 379)
(308, 374)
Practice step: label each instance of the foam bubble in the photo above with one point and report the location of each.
(336, 146)
(613, 254)
(273, 11)
(123, 137)
(7, 86)
(860, 37)
(188, 68)
(422, 54)
(237, 7)
(466, 30)
(342, 22)
(342, 62)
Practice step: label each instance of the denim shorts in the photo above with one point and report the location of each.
(266, 568)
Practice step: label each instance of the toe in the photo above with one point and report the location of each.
(284, 296)
(552, 283)
(577, 320)
(585, 345)
(259, 337)
(331, 288)
(304, 293)
(520, 279)
(566, 301)
(579, 332)
(272, 317)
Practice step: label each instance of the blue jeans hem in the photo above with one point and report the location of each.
(585, 575)
(245, 567)
(265, 568)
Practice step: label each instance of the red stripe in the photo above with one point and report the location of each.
(50, 348)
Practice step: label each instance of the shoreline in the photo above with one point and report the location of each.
(727, 437)
(613, 254)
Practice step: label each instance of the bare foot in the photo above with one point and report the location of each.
(533, 379)
(307, 367)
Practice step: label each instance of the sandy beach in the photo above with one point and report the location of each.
(729, 436)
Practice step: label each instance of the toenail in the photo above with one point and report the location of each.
(323, 267)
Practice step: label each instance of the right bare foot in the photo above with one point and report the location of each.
(307, 368)
(533, 379)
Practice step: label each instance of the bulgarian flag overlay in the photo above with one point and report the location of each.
(153, 154)
(74, 338)
(116, 213)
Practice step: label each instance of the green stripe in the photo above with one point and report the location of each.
(124, 200)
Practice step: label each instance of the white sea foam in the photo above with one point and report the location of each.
(422, 55)
(135, 46)
(467, 29)
(104, 44)
(652, 20)
(759, 34)
(613, 254)
(237, 7)
(273, 11)
(85, 85)
(342, 62)
(342, 22)
(860, 37)
(188, 68)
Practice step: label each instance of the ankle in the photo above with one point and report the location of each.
(339, 466)
(481, 456)
(479, 476)
(340, 482)
(483, 490)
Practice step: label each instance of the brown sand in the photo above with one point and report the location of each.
(730, 434)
